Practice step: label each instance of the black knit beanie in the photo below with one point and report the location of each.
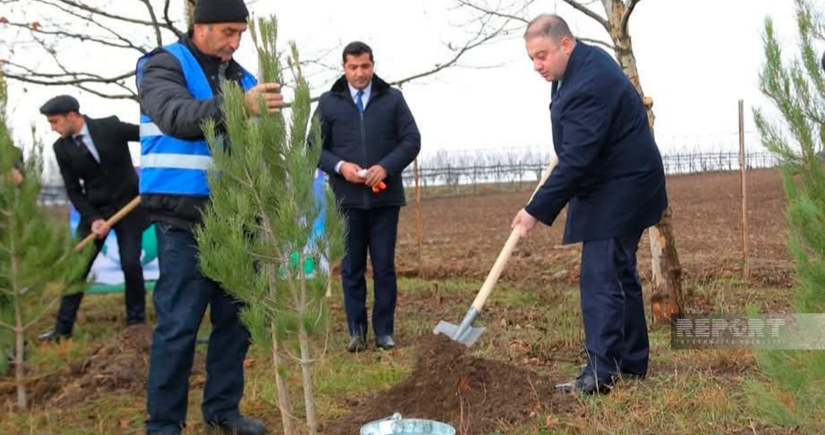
(220, 11)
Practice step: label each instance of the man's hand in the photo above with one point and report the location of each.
(269, 91)
(350, 172)
(100, 228)
(524, 221)
(16, 176)
(375, 175)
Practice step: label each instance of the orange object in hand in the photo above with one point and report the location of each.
(379, 187)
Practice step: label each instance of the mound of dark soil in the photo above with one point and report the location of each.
(474, 395)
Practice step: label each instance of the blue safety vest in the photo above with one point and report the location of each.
(172, 166)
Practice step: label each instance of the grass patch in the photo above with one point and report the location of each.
(687, 392)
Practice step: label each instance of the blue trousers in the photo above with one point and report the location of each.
(181, 296)
(613, 308)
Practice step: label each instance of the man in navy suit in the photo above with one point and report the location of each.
(611, 178)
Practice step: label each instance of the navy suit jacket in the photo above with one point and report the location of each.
(610, 172)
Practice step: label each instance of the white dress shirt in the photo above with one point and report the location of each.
(87, 140)
(365, 98)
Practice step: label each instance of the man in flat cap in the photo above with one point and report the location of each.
(180, 88)
(97, 170)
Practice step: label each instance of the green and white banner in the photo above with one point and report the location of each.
(106, 275)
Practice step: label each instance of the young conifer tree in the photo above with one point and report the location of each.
(36, 251)
(795, 396)
(258, 232)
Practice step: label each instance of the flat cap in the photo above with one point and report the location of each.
(60, 105)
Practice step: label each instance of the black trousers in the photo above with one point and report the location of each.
(129, 232)
(374, 231)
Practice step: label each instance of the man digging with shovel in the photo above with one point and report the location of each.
(100, 179)
(611, 178)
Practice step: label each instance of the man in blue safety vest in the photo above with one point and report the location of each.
(179, 87)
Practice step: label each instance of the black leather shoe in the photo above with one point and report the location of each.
(357, 343)
(239, 425)
(589, 384)
(586, 383)
(384, 342)
(53, 336)
(166, 432)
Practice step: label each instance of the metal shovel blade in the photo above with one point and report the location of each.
(467, 336)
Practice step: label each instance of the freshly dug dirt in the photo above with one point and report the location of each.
(120, 364)
(476, 396)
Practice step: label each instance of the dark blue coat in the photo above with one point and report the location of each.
(385, 135)
(610, 171)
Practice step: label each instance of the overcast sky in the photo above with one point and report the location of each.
(696, 59)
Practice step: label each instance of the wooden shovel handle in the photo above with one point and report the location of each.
(505, 253)
(111, 221)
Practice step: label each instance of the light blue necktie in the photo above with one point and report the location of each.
(360, 103)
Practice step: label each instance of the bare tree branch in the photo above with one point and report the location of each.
(495, 13)
(585, 10)
(626, 17)
(130, 96)
(84, 86)
(606, 45)
(107, 14)
(154, 17)
(168, 20)
(478, 40)
(78, 79)
(88, 23)
(518, 16)
(67, 82)
(494, 23)
(90, 19)
(81, 37)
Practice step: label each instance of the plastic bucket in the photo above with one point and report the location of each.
(406, 426)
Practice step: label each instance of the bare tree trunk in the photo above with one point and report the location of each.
(419, 232)
(19, 367)
(19, 326)
(284, 399)
(666, 297)
(306, 375)
(666, 294)
(303, 339)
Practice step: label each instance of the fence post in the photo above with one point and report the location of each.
(418, 229)
(743, 178)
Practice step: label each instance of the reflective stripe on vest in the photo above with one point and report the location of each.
(169, 165)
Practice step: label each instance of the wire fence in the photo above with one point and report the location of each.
(451, 173)
(470, 170)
